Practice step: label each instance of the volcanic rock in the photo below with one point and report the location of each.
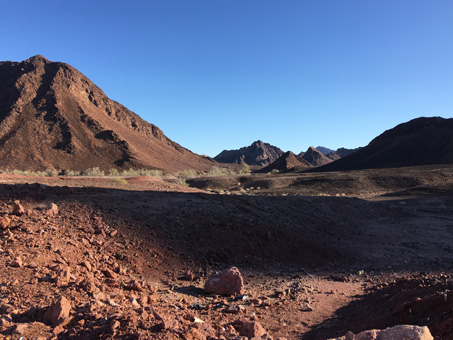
(228, 282)
(258, 153)
(52, 116)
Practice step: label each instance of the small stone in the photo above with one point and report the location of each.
(4, 222)
(58, 311)
(53, 210)
(87, 265)
(109, 273)
(18, 209)
(113, 233)
(251, 329)
(17, 262)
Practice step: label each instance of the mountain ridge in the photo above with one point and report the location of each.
(60, 119)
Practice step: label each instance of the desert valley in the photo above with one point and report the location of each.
(110, 230)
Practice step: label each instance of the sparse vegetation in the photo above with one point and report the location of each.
(245, 170)
(142, 172)
(274, 171)
(186, 173)
(119, 181)
(93, 172)
(182, 181)
(217, 171)
(113, 172)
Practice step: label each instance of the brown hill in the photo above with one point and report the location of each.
(315, 157)
(288, 161)
(258, 153)
(421, 141)
(52, 116)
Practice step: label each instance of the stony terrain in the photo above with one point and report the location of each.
(95, 258)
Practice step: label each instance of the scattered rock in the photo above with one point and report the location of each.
(228, 282)
(58, 311)
(53, 210)
(17, 262)
(4, 222)
(18, 209)
(251, 329)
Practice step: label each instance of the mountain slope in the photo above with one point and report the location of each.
(287, 161)
(258, 153)
(315, 157)
(52, 116)
(421, 141)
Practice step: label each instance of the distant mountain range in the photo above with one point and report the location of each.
(258, 153)
(264, 154)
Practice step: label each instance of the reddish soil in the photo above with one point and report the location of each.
(314, 267)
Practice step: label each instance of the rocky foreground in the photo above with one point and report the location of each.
(66, 272)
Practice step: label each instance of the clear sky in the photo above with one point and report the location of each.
(220, 74)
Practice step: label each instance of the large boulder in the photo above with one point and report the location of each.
(400, 332)
(228, 282)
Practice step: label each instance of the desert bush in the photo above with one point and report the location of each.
(50, 173)
(182, 181)
(93, 172)
(119, 181)
(274, 171)
(217, 171)
(142, 172)
(245, 170)
(113, 172)
(186, 173)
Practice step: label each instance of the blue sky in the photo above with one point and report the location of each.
(220, 74)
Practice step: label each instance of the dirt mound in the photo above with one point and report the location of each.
(288, 161)
(259, 153)
(421, 141)
(315, 157)
(52, 116)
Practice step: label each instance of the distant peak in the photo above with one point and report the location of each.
(38, 58)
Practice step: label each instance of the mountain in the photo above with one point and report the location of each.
(287, 161)
(52, 116)
(333, 156)
(343, 152)
(324, 150)
(421, 141)
(258, 153)
(315, 157)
